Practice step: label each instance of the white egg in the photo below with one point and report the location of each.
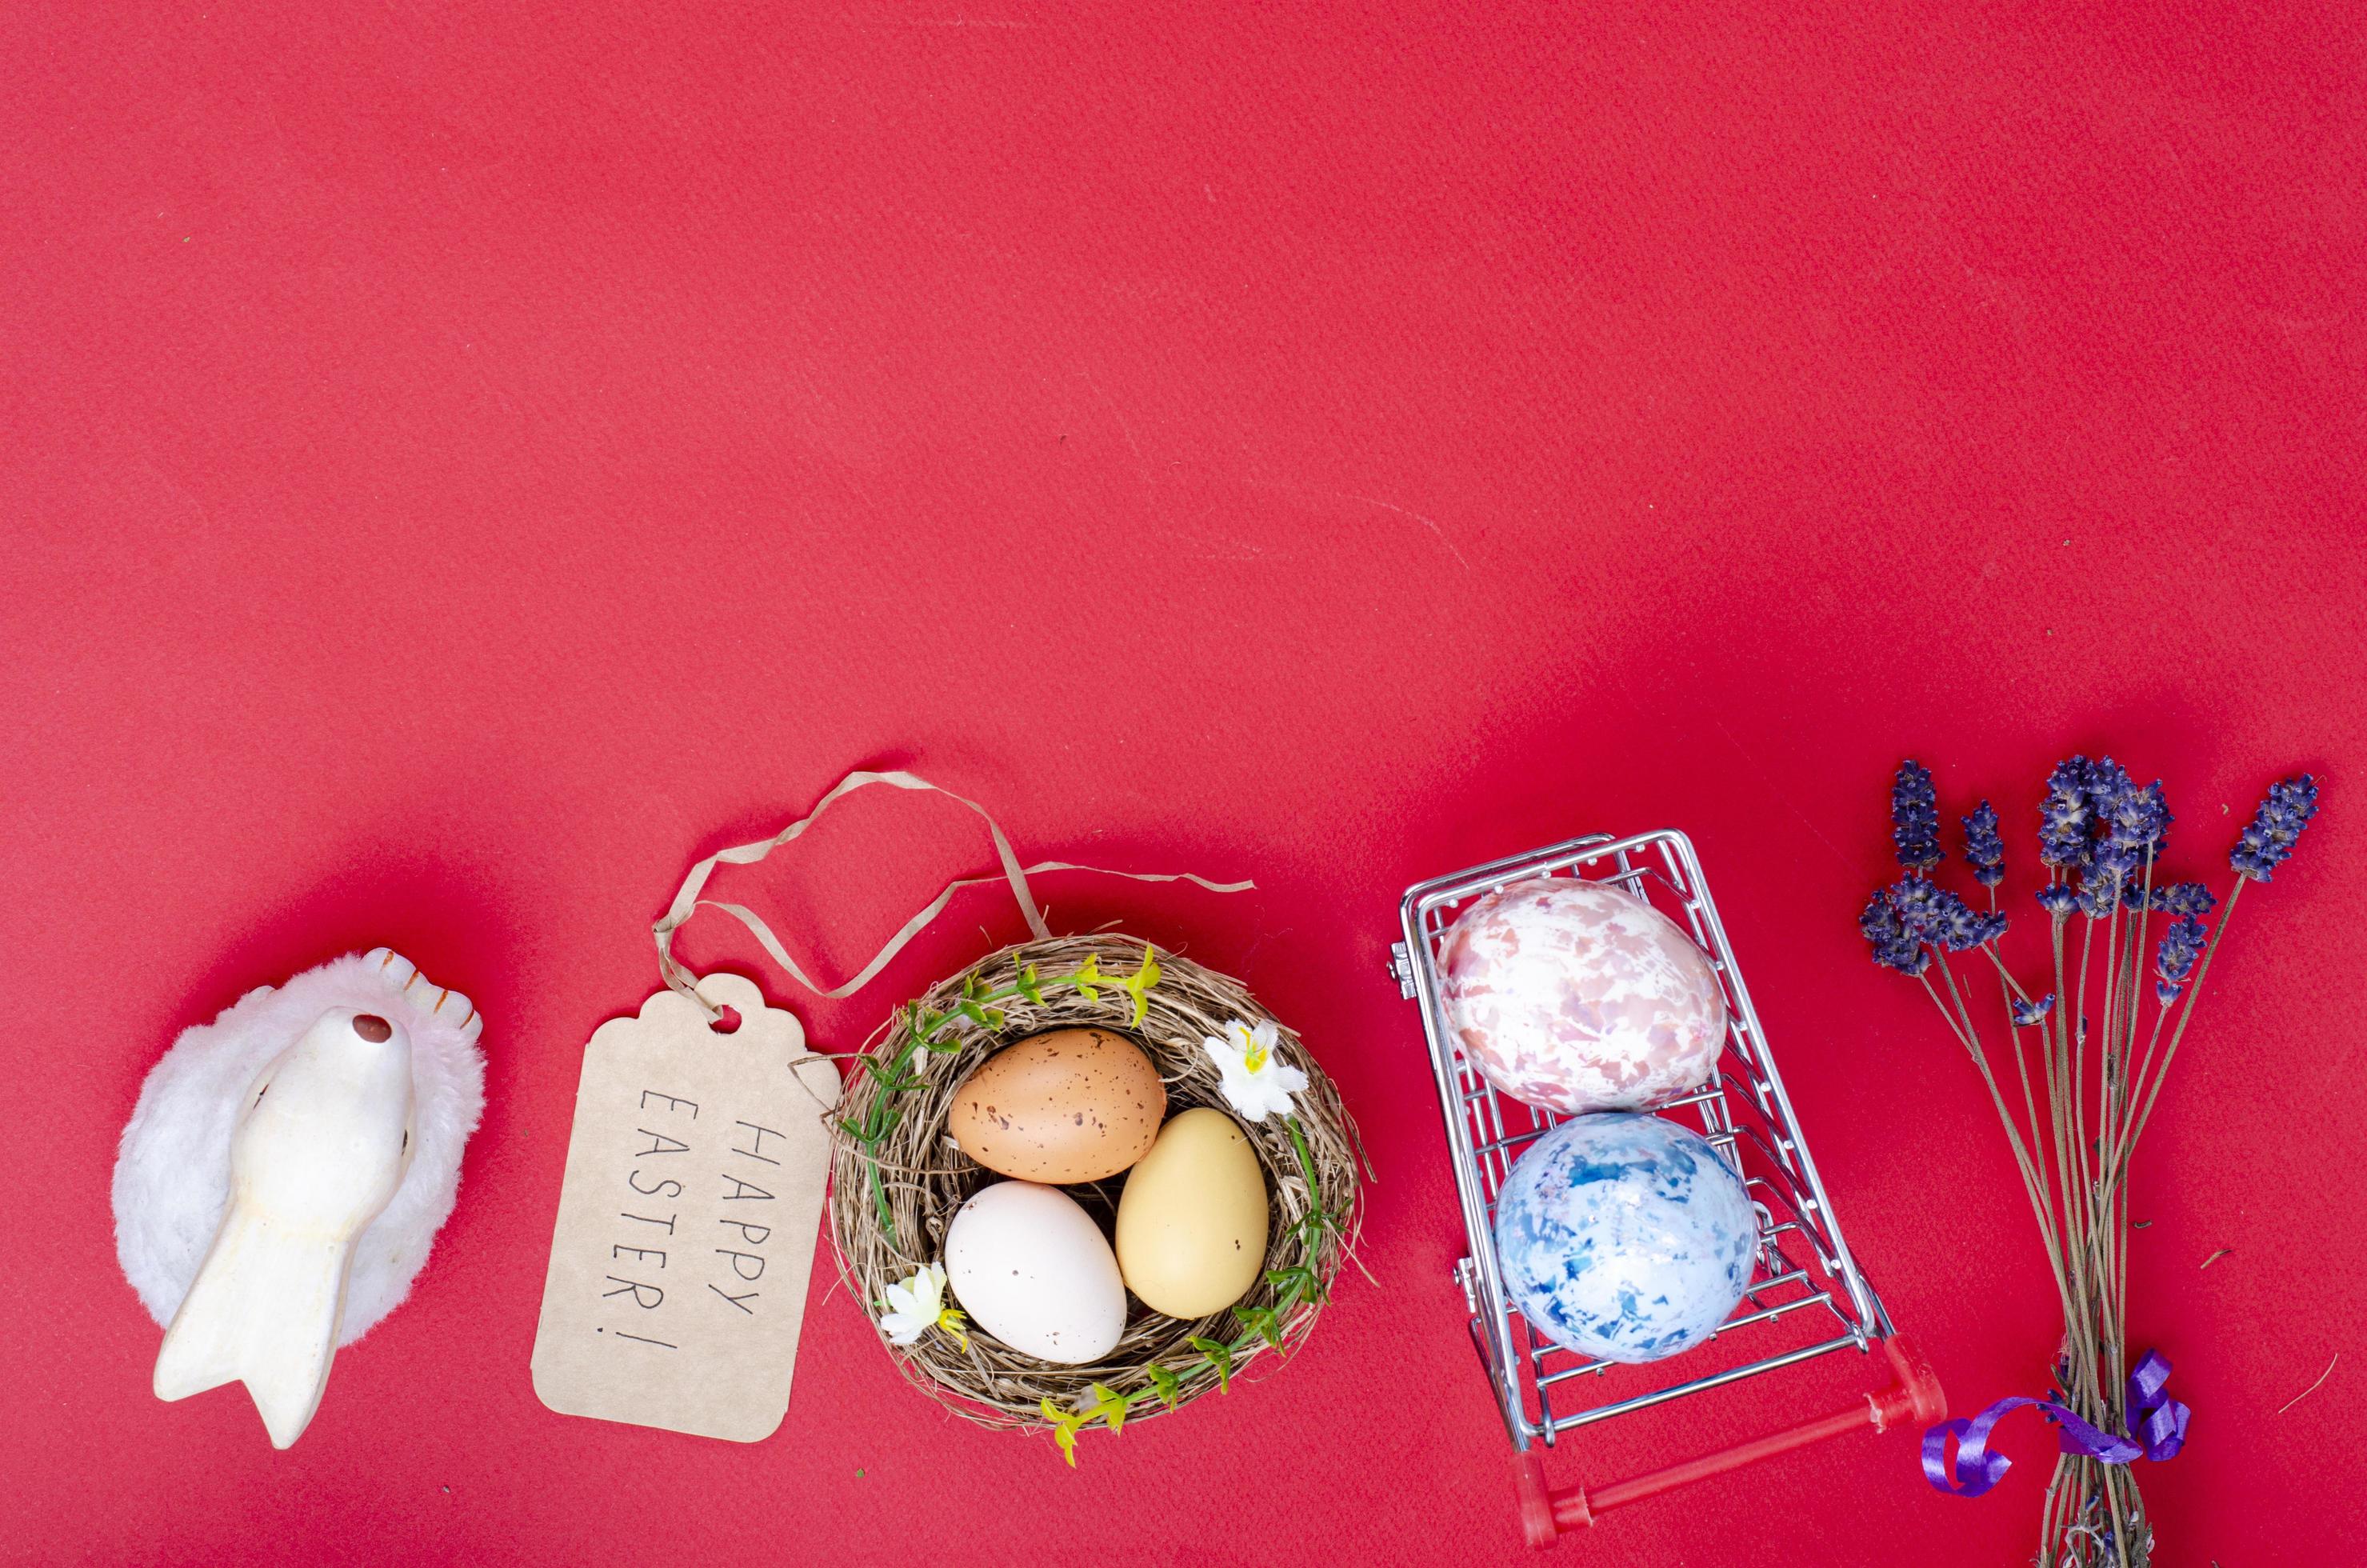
(1032, 1268)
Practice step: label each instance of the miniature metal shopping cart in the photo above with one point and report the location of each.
(1807, 1296)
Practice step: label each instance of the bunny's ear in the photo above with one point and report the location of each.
(263, 1313)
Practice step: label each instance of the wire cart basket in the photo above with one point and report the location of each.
(1807, 1296)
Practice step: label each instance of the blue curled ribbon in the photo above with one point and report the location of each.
(2158, 1420)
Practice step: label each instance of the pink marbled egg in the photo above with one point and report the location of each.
(1576, 996)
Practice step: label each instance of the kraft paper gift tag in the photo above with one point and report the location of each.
(687, 1218)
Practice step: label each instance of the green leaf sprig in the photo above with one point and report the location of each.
(1219, 1356)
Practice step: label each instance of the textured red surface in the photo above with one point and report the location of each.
(457, 470)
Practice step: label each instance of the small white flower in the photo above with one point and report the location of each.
(917, 1306)
(1257, 1080)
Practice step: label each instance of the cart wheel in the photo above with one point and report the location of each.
(1536, 1501)
(1918, 1396)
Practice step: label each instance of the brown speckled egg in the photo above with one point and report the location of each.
(1073, 1105)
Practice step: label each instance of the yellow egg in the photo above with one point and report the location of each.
(1073, 1105)
(1191, 1224)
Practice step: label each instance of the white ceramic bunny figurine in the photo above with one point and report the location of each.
(286, 1171)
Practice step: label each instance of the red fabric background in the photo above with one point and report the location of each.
(458, 471)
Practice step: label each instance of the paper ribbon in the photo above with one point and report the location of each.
(2158, 1420)
(688, 903)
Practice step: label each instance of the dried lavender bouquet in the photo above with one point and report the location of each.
(2088, 1055)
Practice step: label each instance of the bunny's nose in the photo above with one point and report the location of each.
(373, 1028)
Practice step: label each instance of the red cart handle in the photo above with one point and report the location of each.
(1913, 1396)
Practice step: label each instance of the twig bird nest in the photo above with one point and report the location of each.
(898, 1178)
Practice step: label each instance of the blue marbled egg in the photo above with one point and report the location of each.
(1625, 1237)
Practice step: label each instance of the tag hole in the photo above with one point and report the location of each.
(729, 1023)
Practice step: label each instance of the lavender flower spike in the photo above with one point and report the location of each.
(1930, 913)
(1984, 847)
(2268, 838)
(2112, 866)
(2107, 786)
(2136, 826)
(2179, 947)
(2063, 815)
(2057, 899)
(2027, 1013)
(2174, 898)
(1895, 947)
(1966, 928)
(1919, 901)
(1915, 817)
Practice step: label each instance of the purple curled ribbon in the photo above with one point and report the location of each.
(2158, 1420)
